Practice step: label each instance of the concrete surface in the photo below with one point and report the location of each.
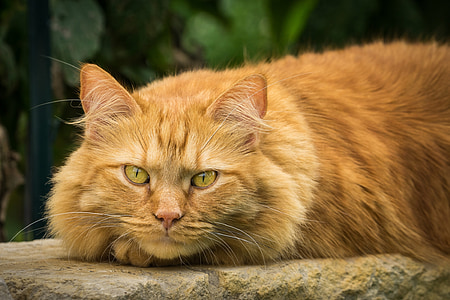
(41, 270)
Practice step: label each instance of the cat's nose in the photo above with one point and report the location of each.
(168, 218)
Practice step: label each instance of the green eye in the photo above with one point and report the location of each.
(204, 179)
(136, 175)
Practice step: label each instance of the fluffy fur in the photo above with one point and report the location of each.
(323, 155)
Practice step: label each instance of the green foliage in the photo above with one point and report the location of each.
(76, 30)
(132, 42)
(289, 21)
(13, 67)
(136, 38)
(7, 67)
(243, 31)
(295, 21)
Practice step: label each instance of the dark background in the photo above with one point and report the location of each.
(140, 40)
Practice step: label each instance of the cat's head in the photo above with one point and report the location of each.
(174, 170)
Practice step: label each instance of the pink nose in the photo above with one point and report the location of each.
(167, 218)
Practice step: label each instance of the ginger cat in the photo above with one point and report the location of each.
(336, 154)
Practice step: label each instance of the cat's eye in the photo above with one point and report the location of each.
(136, 175)
(204, 179)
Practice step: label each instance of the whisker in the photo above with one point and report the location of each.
(62, 62)
(242, 240)
(204, 251)
(111, 244)
(225, 246)
(212, 135)
(253, 241)
(54, 101)
(62, 214)
(27, 234)
(26, 227)
(213, 236)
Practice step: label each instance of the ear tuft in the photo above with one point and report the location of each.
(243, 106)
(102, 97)
(245, 101)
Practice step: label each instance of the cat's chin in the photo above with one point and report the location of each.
(167, 248)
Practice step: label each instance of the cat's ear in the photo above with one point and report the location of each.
(245, 99)
(102, 97)
(245, 104)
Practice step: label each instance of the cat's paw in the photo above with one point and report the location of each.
(128, 252)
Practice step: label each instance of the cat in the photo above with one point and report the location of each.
(325, 155)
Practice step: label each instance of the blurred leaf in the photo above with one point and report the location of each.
(135, 31)
(13, 65)
(135, 23)
(77, 27)
(246, 32)
(160, 54)
(339, 22)
(8, 69)
(295, 21)
(203, 32)
(186, 8)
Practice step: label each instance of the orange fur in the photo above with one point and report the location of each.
(325, 155)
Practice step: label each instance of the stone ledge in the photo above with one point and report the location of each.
(40, 270)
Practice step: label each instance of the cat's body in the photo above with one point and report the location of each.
(326, 155)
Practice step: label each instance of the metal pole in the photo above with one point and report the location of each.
(39, 155)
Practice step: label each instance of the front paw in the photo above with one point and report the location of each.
(129, 252)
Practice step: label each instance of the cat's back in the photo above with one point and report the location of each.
(396, 90)
(379, 117)
(397, 70)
